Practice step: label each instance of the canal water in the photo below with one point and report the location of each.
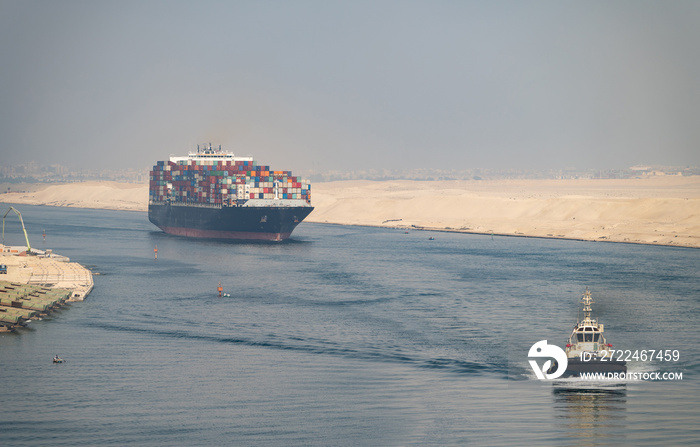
(345, 336)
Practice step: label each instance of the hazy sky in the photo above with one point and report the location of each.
(345, 85)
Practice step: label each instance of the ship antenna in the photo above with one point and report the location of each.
(587, 300)
(578, 316)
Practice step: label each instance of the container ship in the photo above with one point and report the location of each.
(214, 194)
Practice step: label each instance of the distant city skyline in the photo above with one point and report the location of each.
(33, 172)
(352, 86)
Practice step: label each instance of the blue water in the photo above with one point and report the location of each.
(343, 336)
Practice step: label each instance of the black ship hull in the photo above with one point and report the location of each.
(227, 222)
(576, 367)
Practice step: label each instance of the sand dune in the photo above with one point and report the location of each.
(660, 210)
(653, 211)
(98, 195)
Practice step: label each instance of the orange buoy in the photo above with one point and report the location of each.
(155, 251)
(220, 289)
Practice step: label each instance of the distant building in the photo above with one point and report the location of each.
(640, 168)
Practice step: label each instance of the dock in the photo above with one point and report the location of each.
(22, 302)
(36, 283)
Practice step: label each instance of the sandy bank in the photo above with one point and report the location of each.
(98, 195)
(661, 210)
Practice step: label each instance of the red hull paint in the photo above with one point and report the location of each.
(217, 234)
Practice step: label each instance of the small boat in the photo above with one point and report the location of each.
(57, 359)
(431, 238)
(588, 351)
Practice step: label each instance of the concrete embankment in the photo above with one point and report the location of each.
(22, 302)
(38, 283)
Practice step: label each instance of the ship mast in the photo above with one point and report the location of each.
(586, 300)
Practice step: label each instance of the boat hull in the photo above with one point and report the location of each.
(235, 222)
(576, 367)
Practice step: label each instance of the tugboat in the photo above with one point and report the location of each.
(588, 351)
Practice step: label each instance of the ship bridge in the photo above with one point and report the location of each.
(210, 153)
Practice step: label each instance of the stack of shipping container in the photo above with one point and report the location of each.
(222, 182)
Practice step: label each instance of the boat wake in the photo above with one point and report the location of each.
(323, 347)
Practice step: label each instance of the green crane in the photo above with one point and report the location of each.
(29, 249)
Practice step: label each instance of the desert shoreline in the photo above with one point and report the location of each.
(653, 211)
(519, 235)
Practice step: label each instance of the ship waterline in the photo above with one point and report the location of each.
(238, 223)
